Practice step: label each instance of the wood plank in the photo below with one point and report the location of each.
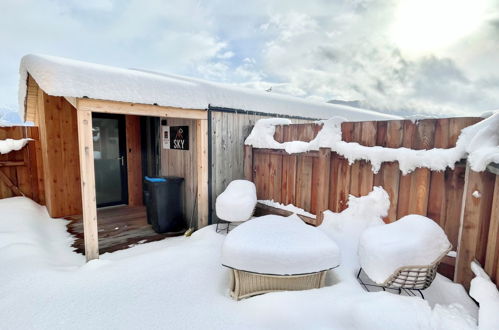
(340, 177)
(288, 179)
(322, 175)
(475, 221)
(405, 180)
(437, 195)
(492, 251)
(248, 163)
(275, 177)
(140, 109)
(87, 172)
(454, 188)
(134, 160)
(304, 182)
(202, 171)
(10, 163)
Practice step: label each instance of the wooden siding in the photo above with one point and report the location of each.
(60, 158)
(183, 163)
(134, 160)
(21, 171)
(228, 132)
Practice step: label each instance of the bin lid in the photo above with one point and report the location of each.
(163, 178)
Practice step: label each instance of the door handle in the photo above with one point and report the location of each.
(122, 160)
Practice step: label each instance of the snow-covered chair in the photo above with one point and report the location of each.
(275, 253)
(236, 204)
(403, 255)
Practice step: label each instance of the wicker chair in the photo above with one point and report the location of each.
(409, 278)
(245, 284)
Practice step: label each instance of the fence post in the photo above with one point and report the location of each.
(248, 162)
(324, 170)
(474, 223)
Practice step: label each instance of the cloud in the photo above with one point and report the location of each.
(320, 50)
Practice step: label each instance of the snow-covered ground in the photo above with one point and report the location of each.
(179, 283)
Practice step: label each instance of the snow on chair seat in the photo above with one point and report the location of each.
(237, 202)
(404, 254)
(275, 253)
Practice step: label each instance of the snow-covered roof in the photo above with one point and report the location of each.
(59, 76)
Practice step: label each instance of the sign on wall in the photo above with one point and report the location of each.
(179, 137)
(175, 137)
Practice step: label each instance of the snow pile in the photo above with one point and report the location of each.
(279, 245)
(237, 202)
(346, 227)
(71, 78)
(414, 240)
(289, 207)
(9, 145)
(479, 142)
(179, 283)
(28, 234)
(485, 292)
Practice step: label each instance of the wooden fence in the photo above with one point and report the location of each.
(21, 173)
(320, 180)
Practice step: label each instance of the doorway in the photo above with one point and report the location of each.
(110, 161)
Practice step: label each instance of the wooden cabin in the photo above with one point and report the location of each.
(102, 129)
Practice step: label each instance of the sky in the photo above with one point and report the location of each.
(407, 57)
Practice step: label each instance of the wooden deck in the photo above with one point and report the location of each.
(119, 228)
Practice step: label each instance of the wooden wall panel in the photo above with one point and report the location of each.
(134, 160)
(183, 163)
(60, 158)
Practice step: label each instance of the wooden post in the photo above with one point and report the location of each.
(474, 224)
(248, 162)
(492, 259)
(324, 168)
(202, 171)
(86, 150)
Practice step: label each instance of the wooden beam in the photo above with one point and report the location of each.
(86, 150)
(71, 100)
(138, 109)
(202, 171)
(12, 163)
(10, 184)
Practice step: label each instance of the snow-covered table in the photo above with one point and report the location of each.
(274, 253)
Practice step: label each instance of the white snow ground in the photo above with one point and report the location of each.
(178, 283)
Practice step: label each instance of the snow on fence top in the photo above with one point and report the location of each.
(71, 78)
(479, 143)
(9, 145)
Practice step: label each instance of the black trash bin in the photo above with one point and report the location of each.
(164, 203)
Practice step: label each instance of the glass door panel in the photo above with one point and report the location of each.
(109, 159)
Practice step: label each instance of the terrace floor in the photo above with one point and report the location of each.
(120, 227)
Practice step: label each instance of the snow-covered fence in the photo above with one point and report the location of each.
(20, 170)
(319, 180)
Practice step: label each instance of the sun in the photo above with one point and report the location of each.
(423, 26)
